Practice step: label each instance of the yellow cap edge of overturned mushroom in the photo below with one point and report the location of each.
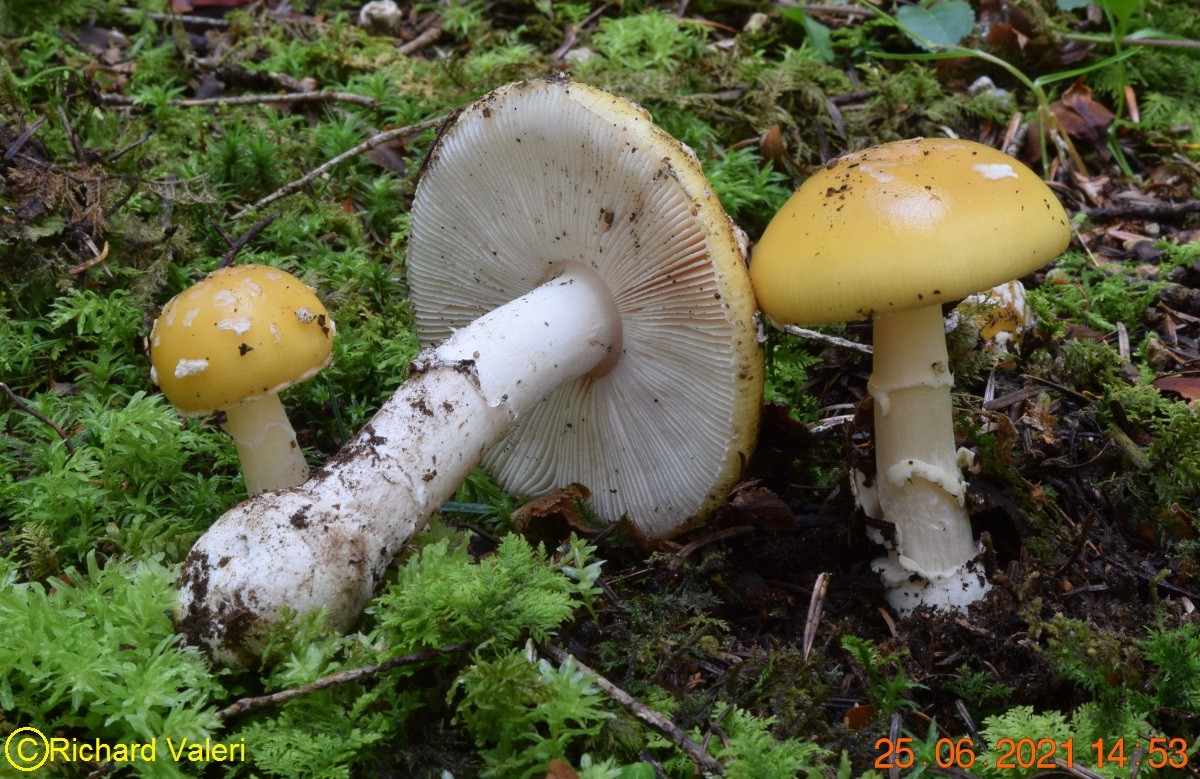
(240, 333)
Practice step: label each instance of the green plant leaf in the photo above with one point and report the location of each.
(1065, 75)
(944, 24)
(1120, 10)
(819, 37)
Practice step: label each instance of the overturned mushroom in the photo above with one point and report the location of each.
(892, 233)
(599, 328)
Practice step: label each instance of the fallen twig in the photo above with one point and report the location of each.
(243, 239)
(204, 21)
(121, 152)
(370, 143)
(96, 258)
(710, 538)
(247, 705)
(421, 41)
(815, 605)
(651, 718)
(23, 139)
(1130, 40)
(813, 335)
(841, 10)
(287, 97)
(71, 136)
(33, 412)
(1158, 211)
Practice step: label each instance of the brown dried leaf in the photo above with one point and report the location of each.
(762, 508)
(1083, 118)
(1188, 386)
(390, 157)
(551, 519)
(559, 769)
(858, 717)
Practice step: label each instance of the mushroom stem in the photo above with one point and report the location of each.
(920, 486)
(326, 543)
(266, 444)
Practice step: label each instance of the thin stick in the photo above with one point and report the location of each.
(288, 97)
(247, 705)
(119, 153)
(893, 736)
(370, 143)
(205, 21)
(33, 412)
(816, 605)
(1158, 211)
(969, 723)
(23, 138)
(62, 115)
(96, 258)
(813, 335)
(1165, 43)
(713, 537)
(841, 10)
(243, 239)
(421, 41)
(652, 719)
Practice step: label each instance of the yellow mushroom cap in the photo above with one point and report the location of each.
(901, 226)
(241, 333)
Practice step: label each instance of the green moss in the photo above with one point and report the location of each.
(1170, 431)
(96, 655)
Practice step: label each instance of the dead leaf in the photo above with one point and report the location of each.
(644, 543)
(762, 508)
(1083, 118)
(551, 519)
(559, 769)
(1188, 386)
(859, 717)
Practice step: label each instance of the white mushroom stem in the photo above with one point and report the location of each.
(266, 444)
(326, 543)
(920, 486)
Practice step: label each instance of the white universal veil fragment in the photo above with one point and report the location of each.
(598, 327)
(892, 233)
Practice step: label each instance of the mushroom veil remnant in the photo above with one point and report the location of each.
(231, 343)
(892, 233)
(588, 318)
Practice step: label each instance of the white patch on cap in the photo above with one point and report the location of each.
(882, 176)
(238, 324)
(224, 299)
(253, 286)
(154, 374)
(190, 316)
(995, 170)
(305, 314)
(274, 333)
(185, 368)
